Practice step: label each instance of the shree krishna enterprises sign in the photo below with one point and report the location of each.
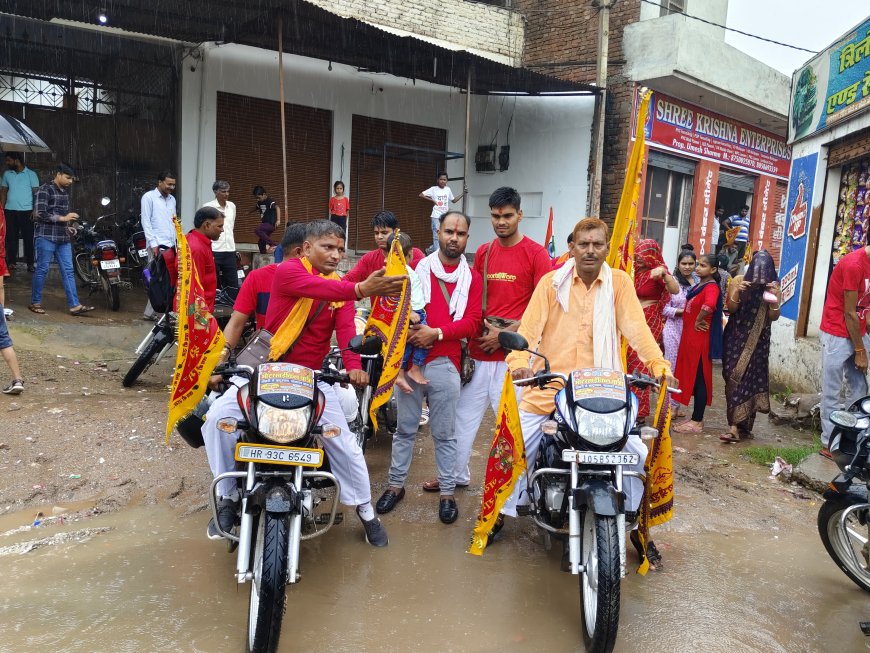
(691, 130)
(832, 86)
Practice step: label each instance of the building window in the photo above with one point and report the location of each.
(45, 91)
(663, 202)
(672, 7)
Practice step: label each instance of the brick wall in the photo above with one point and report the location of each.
(567, 31)
(473, 26)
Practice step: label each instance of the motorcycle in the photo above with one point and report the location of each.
(161, 338)
(285, 472)
(136, 244)
(576, 492)
(844, 517)
(96, 260)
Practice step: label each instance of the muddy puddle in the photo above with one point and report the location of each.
(146, 579)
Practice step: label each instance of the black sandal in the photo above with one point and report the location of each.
(81, 310)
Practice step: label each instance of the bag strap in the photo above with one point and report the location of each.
(446, 294)
(311, 317)
(485, 275)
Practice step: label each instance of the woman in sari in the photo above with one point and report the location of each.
(673, 312)
(701, 318)
(654, 286)
(747, 345)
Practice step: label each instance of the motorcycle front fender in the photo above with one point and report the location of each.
(599, 496)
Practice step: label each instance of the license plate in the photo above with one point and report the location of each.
(110, 265)
(143, 253)
(272, 455)
(592, 458)
(241, 274)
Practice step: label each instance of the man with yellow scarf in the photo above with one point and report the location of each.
(308, 302)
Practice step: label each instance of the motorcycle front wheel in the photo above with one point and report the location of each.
(850, 547)
(269, 585)
(148, 355)
(599, 584)
(113, 293)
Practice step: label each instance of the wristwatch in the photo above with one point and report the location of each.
(440, 334)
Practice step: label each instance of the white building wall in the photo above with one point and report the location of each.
(549, 137)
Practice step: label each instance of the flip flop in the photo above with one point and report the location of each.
(81, 310)
(37, 308)
(729, 437)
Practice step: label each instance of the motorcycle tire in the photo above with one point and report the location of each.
(599, 584)
(269, 585)
(86, 272)
(113, 293)
(146, 358)
(836, 542)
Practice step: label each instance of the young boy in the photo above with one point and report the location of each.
(439, 195)
(417, 355)
(339, 206)
(270, 219)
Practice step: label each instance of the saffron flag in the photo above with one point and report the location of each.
(200, 340)
(657, 504)
(550, 238)
(504, 465)
(388, 321)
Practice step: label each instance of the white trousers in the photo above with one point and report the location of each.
(483, 390)
(345, 456)
(532, 434)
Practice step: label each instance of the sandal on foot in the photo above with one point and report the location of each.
(37, 308)
(653, 557)
(688, 427)
(81, 310)
(729, 437)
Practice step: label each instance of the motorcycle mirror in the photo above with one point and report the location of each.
(105, 201)
(368, 347)
(510, 340)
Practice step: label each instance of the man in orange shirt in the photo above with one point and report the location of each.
(575, 318)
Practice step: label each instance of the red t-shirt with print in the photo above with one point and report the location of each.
(852, 272)
(339, 206)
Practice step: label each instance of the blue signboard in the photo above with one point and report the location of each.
(794, 247)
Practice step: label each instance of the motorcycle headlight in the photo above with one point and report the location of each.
(282, 426)
(601, 429)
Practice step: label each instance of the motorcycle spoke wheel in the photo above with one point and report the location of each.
(849, 548)
(146, 358)
(269, 585)
(599, 583)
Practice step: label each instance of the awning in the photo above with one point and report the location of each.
(309, 31)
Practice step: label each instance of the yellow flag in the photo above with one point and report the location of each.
(505, 464)
(388, 321)
(200, 340)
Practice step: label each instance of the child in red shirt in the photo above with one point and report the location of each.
(339, 206)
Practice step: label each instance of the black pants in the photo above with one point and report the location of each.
(225, 266)
(19, 224)
(700, 394)
(340, 220)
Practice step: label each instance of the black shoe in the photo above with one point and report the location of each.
(376, 534)
(226, 512)
(389, 500)
(447, 510)
(496, 529)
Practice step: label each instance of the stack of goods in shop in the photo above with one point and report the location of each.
(853, 209)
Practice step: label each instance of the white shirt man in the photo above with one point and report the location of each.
(224, 248)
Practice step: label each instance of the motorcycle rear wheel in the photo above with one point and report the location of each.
(838, 543)
(113, 293)
(269, 585)
(599, 584)
(146, 358)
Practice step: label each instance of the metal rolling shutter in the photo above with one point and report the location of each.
(408, 173)
(737, 181)
(248, 154)
(668, 162)
(852, 147)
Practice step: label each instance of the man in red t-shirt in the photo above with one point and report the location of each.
(384, 224)
(844, 335)
(331, 311)
(511, 266)
(208, 225)
(453, 293)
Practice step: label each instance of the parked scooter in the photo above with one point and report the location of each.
(96, 260)
(577, 491)
(282, 406)
(844, 518)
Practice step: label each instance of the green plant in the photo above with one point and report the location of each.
(793, 455)
(782, 395)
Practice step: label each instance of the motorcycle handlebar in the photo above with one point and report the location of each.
(332, 377)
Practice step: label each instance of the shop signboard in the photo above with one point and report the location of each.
(794, 248)
(832, 86)
(696, 132)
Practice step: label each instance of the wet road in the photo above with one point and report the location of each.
(745, 571)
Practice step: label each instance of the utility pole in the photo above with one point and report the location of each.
(594, 201)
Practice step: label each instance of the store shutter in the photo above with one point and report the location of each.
(387, 173)
(848, 149)
(248, 154)
(736, 181)
(668, 162)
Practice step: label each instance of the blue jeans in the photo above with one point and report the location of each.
(838, 363)
(5, 340)
(46, 250)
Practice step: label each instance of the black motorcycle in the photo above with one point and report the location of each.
(96, 259)
(844, 518)
(288, 493)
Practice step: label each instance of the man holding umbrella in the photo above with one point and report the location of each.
(17, 189)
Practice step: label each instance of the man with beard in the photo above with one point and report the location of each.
(510, 266)
(453, 294)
